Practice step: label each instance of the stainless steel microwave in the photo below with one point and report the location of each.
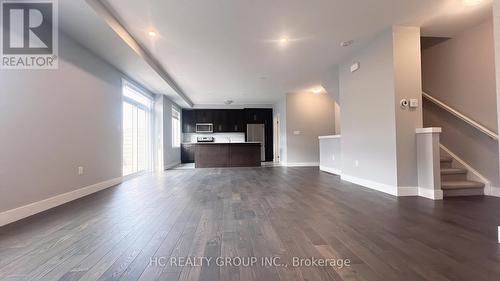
(204, 128)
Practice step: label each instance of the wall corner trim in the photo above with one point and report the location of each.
(434, 194)
(407, 191)
(25, 211)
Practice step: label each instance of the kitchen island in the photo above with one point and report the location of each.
(216, 155)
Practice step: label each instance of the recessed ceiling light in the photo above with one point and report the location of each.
(152, 33)
(346, 43)
(471, 2)
(284, 40)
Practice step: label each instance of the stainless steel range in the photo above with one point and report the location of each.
(205, 139)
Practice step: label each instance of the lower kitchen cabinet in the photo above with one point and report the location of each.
(187, 152)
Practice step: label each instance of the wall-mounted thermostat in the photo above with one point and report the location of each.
(355, 67)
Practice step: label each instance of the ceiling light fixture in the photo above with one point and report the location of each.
(152, 33)
(471, 2)
(284, 40)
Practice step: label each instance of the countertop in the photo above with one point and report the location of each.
(208, 143)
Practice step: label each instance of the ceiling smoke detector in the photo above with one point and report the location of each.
(228, 102)
(346, 43)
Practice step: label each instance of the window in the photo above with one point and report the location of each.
(136, 130)
(176, 127)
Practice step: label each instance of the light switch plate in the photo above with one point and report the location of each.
(413, 103)
(297, 132)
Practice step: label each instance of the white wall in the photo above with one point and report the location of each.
(308, 116)
(496, 32)
(158, 153)
(461, 73)
(52, 121)
(407, 85)
(368, 114)
(378, 136)
(171, 155)
(331, 154)
(279, 111)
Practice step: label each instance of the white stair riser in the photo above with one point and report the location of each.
(463, 192)
(454, 177)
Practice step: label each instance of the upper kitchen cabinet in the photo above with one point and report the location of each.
(188, 121)
(258, 115)
(235, 120)
(220, 120)
(204, 115)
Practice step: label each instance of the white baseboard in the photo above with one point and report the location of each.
(493, 191)
(382, 187)
(330, 170)
(407, 191)
(171, 165)
(25, 211)
(434, 194)
(302, 164)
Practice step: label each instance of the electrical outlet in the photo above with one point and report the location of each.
(80, 170)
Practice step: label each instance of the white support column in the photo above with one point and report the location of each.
(428, 163)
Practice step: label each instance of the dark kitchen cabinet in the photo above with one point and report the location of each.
(188, 121)
(187, 152)
(227, 121)
(256, 115)
(204, 115)
(236, 121)
(220, 119)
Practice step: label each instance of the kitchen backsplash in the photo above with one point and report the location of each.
(218, 137)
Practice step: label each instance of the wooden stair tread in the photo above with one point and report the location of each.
(452, 185)
(453, 171)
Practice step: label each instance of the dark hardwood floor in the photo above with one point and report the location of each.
(254, 212)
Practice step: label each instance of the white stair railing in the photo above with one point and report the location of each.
(461, 116)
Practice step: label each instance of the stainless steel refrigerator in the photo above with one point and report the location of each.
(257, 133)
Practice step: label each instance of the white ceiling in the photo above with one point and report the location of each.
(81, 23)
(227, 49)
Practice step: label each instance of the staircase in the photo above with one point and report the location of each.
(454, 180)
